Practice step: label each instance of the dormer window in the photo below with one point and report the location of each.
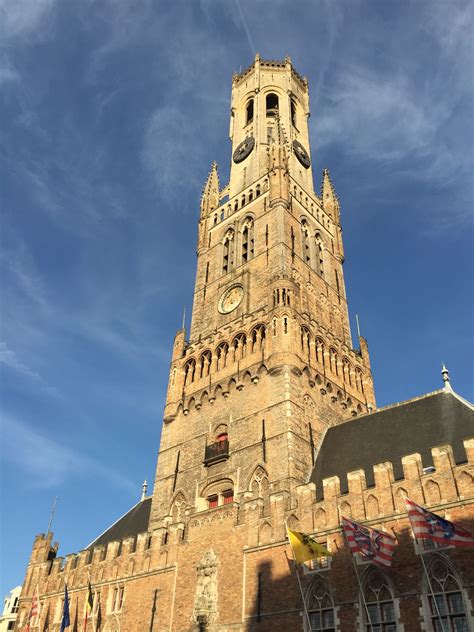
(271, 103)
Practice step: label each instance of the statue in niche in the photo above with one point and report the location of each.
(205, 601)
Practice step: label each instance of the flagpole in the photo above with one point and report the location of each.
(299, 580)
(369, 620)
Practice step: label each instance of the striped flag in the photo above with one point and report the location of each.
(66, 620)
(374, 545)
(88, 606)
(34, 610)
(428, 525)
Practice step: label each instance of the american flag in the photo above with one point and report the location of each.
(426, 524)
(34, 610)
(374, 545)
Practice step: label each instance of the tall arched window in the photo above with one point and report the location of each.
(293, 112)
(205, 364)
(380, 612)
(221, 355)
(239, 345)
(320, 351)
(305, 339)
(448, 595)
(305, 242)
(257, 337)
(228, 255)
(359, 380)
(319, 253)
(320, 606)
(247, 240)
(333, 365)
(346, 371)
(189, 371)
(249, 112)
(271, 103)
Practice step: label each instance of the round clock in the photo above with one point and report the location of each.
(301, 154)
(230, 299)
(244, 149)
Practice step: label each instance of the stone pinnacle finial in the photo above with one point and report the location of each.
(446, 380)
(144, 488)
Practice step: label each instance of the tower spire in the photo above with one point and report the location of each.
(210, 192)
(446, 380)
(329, 198)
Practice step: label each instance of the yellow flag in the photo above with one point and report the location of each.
(305, 547)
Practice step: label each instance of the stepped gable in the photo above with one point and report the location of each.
(410, 427)
(132, 523)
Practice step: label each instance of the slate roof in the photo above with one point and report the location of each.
(132, 523)
(417, 425)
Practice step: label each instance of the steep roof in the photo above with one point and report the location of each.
(414, 426)
(132, 523)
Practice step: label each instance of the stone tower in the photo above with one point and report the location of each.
(269, 363)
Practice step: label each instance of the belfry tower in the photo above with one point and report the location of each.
(269, 363)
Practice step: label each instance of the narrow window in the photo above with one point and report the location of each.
(338, 289)
(249, 111)
(207, 272)
(285, 325)
(379, 600)
(293, 113)
(257, 190)
(228, 256)
(305, 242)
(319, 254)
(271, 104)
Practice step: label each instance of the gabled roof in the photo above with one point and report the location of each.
(410, 427)
(132, 523)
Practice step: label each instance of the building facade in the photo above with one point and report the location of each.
(270, 419)
(10, 610)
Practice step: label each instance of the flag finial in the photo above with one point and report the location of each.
(144, 488)
(446, 380)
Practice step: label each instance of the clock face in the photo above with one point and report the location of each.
(244, 149)
(231, 299)
(301, 154)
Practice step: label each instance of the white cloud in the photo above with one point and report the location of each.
(9, 358)
(22, 17)
(49, 463)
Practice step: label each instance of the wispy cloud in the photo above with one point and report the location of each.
(10, 359)
(48, 463)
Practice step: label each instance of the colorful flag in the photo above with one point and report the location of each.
(426, 524)
(88, 606)
(374, 545)
(65, 621)
(34, 610)
(305, 547)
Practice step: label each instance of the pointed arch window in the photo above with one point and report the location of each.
(247, 240)
(249, 112)
(228, 255)
(448, 599)
(293, 112)
(380, 613)
(320, 351)
(221, 355)
(320, 606)
(305, 339)
(205, 364)
(271, 103)
(189, 371)
(239, 345)
(319, 254)
(257, 337)
(333, 364)
(305, 242)
(359, 380)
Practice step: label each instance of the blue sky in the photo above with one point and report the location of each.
(112, 112)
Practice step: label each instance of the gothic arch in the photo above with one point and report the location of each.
(433, 492)
(254, 481)
(448, 589)
(465, 482)
(372, 506)
(265, 532)
(293, 522)
(400, 496)
(320, 604)
(178, 506)
(320, 518)
(379, 597)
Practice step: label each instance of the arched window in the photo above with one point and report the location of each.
(293, 112)
(359, 380)
(333, 361)
(320, 606)
(319, 253)
(249, 112)
(257, 190)
(257, 337)
(380, 613)
(305, 242)
(346, 371)
(247, 240)
(305, 339)
(189, 371)
(320, 351)
(448, 595)
(228, 256)
(271, 103)
(221, 355)
(205, 364)
(239, 345)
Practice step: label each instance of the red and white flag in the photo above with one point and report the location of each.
(428, 525)
(33, 617)
(374, 545)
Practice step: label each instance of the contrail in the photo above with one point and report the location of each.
(252, 47)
